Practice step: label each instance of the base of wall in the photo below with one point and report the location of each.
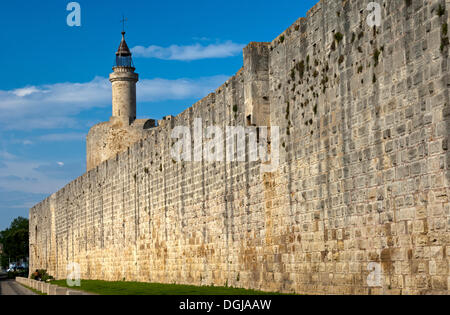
(48, 288)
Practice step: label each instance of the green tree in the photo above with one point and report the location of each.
(15, 241)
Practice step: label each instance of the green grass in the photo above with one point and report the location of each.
(138, 288)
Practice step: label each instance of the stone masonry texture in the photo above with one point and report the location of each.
(363, 178)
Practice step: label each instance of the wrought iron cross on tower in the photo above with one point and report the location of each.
(123, 22)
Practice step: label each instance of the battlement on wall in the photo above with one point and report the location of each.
(363, 178)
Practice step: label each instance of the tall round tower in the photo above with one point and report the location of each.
(124, 81)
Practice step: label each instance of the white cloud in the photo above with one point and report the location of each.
(37, 177)
(189, 52)
(25, 91)
(23, 176)
(56, 105)
(6, 155)
(50, 106)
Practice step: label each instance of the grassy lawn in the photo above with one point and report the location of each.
(138, 288)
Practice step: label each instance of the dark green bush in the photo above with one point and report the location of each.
(41, 275)
(440, 10)
(338, 37)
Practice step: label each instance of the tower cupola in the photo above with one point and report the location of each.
(123, 80)
(123, 55)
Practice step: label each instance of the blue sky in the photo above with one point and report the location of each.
(53, 83)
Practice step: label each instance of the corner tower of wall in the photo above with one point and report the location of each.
(123, 82)
(105, 140)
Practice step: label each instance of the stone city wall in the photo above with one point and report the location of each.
(362, 186)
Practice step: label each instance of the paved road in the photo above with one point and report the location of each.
(11, 287)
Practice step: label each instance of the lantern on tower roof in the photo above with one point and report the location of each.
(123, 55)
